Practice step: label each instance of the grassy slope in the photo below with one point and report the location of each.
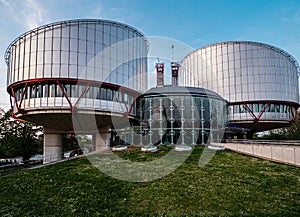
(230, 185)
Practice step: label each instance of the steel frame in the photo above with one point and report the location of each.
(267, 104)
(59, 81)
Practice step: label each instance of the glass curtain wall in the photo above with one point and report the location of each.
(170, 120)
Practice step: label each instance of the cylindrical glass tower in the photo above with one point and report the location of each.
(77, 64)
(76, 74)
(259, 81)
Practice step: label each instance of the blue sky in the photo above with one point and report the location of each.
(192, 22)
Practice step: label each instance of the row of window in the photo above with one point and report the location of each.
(44, 90)
(259, 107)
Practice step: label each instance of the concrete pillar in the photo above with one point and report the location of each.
(101, 139)
(53, 147)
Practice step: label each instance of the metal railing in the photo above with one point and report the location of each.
(265, 142)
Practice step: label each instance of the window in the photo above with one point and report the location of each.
(51, 90)
(90, 93)
(109, 95)
(98, 92)
(255, 108)
(130, 99)
(115, 96)
(281, 108)
(59, 92)
(45, 90)
(250, 106)
(103, 93)
(81, 90)
(33, 91)
(126, 98)
(261, 107)
(18, 94)
(39, 91)
(74, 91)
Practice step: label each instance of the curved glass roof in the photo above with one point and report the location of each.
(180, 90)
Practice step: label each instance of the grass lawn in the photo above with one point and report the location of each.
(230, 184)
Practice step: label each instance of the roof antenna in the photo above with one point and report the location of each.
(174, 68)
(172, 47)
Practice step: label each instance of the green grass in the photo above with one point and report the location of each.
(229, 185)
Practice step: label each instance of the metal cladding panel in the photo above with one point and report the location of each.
(248, 75)
(97, 50)
(88, 64)
(242, 71)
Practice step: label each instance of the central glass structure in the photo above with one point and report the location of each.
(180, 115)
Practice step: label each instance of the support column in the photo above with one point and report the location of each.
(53, 147)
(102, 138)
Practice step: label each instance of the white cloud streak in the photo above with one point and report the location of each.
(28, 13)
(114, 13)
(7, 4)
(36, 14)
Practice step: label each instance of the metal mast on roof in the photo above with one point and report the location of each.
(174, 68)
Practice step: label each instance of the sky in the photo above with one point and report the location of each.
(194, 23)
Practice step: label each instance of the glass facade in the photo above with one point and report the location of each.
(52, 95)
(87, 50)
(245, 73)
(272, 111)
(176, 117)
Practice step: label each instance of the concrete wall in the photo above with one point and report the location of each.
(289, 154)
(101, 139)
(53, 147)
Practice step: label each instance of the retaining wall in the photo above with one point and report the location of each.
(288, 154)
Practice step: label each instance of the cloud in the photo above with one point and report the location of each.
(29, 13)
(289, 14)
(199, 41)
(36, 14)
(119, 14)
(6, 4)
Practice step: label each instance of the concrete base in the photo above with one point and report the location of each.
(53, 147)
(101, 139)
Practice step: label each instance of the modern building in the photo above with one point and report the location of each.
(84, 76)
(259, 81)
(92, 68)
(181, 115)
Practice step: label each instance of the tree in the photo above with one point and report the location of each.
(293, 132)
(18, 138)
